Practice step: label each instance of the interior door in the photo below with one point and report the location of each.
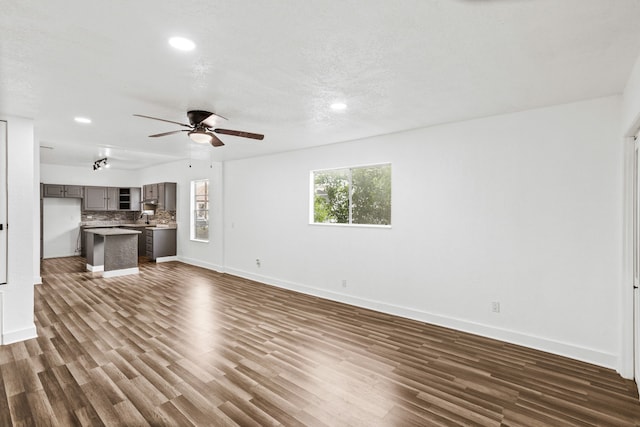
(3, 202)
(636, 261)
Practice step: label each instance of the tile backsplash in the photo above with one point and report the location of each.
(164, 216)
(160, 216)
(108, 216)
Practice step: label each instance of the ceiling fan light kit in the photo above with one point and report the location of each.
(199, 136)
(201, 131)
(204, 137)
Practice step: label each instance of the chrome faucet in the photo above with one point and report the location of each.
(147, 217)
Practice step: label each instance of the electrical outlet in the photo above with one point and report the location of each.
(258, 262)
(495, 307)
(344, 283)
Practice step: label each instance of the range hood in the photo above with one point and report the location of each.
(149, 204)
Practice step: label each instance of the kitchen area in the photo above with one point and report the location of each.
(85, 220)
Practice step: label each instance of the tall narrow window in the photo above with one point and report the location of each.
(200, 210)
(357, 195)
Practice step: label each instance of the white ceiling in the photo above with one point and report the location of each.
(274, 67)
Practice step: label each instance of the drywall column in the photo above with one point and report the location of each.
(17, 294)
(36, 217)
(629, 359)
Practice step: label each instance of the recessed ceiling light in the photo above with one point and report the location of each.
(82, 120)
(181, 43)
(337, 106)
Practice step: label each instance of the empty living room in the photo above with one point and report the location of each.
(414, 213)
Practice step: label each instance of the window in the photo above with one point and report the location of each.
(200, 210)
(357, 195)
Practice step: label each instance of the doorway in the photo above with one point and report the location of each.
(3, 202)
(635, 250)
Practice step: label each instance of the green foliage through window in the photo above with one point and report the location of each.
(359, 195)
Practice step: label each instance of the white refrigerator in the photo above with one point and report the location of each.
(60, 227)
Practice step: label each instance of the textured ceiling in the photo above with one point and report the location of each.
(274, 67)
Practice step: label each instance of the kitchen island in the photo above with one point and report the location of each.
(107, 224)
(113, 251)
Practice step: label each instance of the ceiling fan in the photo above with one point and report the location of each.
(201, 128)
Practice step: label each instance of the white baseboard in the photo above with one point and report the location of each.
(199, 263)
(20, 335)
(37, 280)
(10, 337)
(60, 255)
(121, 272)
(95, 268)
(584, 354)
(166, 258)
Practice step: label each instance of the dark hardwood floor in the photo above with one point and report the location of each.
(179, 345)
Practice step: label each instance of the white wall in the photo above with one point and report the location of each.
(524, 209)
(208, 255)
(69, 175)
(631, 102)
(17, 295)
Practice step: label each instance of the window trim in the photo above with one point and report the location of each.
(335, 224)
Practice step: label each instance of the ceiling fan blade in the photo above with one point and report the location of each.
(215, 141)
(167, 133)
(163, 120)
(200, 116)
(213, 120)
(239, 133)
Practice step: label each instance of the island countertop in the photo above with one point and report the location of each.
(112, 231)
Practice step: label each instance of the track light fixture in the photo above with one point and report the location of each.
(100, 164)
